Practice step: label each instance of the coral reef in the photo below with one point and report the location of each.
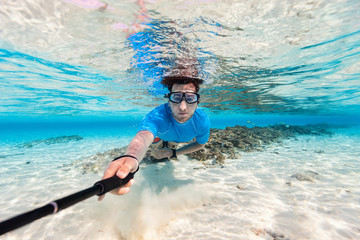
(49, 141)
(226, 143)
(223, 144)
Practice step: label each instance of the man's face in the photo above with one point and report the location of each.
(183, 111)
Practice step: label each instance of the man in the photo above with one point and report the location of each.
(177, 121)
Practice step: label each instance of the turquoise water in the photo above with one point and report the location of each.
(84, 68)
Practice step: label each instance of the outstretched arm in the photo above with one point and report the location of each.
(192, 147)
(121, 167)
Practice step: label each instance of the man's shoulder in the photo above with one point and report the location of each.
(155, 119)
(202, 117)
(159, 112)
(201, 113)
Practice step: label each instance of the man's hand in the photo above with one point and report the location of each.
(161, 153)
(121, 168)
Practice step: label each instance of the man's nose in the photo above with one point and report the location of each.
(183, 105)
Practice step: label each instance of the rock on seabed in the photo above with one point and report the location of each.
(225, 143)
(222, 144)
(49, 141)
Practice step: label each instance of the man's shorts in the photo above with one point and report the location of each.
(158, 143)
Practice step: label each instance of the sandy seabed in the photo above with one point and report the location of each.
(303, 188)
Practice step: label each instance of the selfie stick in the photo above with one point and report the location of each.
(99, 188)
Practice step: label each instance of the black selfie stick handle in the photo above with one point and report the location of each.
(108, 184)
(99, 188)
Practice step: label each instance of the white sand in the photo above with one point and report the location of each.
(253, 197)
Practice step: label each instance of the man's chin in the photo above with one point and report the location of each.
(182, 119)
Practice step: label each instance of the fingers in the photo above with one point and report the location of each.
(110, 171)
(120, 191)
(121, 168)
(100, 198)
(125, 189)
(123, 171)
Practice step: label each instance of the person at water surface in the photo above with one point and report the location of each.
(178, 121)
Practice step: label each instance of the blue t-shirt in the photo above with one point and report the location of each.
(162, 124)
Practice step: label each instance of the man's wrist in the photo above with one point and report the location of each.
(173, 156)
(122, 156)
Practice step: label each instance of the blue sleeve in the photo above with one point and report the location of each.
(204, 132)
